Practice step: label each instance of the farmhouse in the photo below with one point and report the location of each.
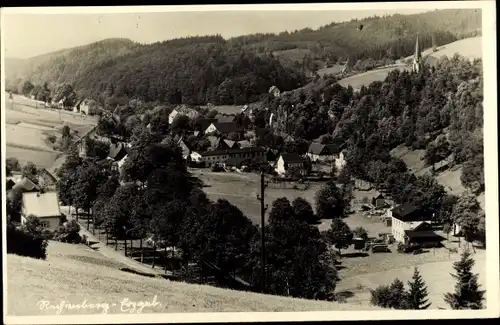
(321, 152)
(117, 151)
(26, 185)
(201, 124)
(182, 110)
(225, 128)
(44, 206)
(236, 156)
(274, 91)
(288, 161)
(410, 225)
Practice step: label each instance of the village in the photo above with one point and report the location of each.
(346, 181)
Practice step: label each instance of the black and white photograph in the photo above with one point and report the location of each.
(249, 162)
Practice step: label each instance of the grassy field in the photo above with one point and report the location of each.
(242, 189)
(377, 270)
(227, 109)
(471, 48)
(366, 78)
(28, 127)
(337, 68)
(74, 272)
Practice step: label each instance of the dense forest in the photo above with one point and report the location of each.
(210, 69)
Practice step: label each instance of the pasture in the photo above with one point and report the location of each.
(27, 128)
(226, 109)
(366, 78)
(335, 69)
(74, 272)
(378, 269)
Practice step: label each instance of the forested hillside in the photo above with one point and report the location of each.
(198, 70)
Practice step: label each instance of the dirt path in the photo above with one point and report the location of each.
(110, 253)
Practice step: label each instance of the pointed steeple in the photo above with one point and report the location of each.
(417, 55)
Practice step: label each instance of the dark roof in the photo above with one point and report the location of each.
(117, 151)
(224, 119)
(10, 183)
(317, 148)
(227, 127)
(292, 158)
(422, 234)
(404, 210)
(203, 123)
(232, 151)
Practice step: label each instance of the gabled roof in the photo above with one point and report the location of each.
(117, 151)
(407, 212)
(404, 209)
(214, 141)
(227, 127)
(26, 185)
(10, 184)
(230, 143)
(41, 204)
(321, 149)
(204, 123)
(426, 234)
(292, 158)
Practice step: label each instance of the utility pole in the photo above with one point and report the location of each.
(263, 209)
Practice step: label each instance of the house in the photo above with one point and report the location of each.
(322, 152)
(274, 91)
(272, 154)
(117, 151)
(237, 156)
(341, 161)
(201, 124)
(225, 118)
(288, 161)
(379, 202)
(26, 185)
(44, 206)
(217, 143)
(244, 144)
(411, 225)
(83, 107)
(182, 110)
(225, 128)
(46, 179)
(196, 157)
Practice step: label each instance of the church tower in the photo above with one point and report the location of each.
(417, 58)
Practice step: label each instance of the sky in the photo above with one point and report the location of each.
(28, 35)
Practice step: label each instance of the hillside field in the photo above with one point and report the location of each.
(75, 272)
(28, 125)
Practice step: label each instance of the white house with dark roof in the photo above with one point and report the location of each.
(235, 156)
(45, 206)
(322, 152)
(182, 110)
(288, 161)
(411, 225)
(274, 91)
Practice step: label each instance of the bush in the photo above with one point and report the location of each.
(51, 138)
(393, 296)
(69, 232)
(22, 242)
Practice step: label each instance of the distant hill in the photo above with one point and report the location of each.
(198, 70)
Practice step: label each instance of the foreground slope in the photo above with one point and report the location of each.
(74, 273)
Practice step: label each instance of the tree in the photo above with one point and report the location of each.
(467, 294)
(417, 294)
(12, 164)
(329, 202)
(339, 234)
(181, 124)
(96, 149)
(30, 172)
(360, 232)
(303, 211)
(392, 296)
(27, 88)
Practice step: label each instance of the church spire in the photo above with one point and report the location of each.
(417, 57)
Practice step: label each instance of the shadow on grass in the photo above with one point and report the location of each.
(356, 254)
(339, 267)
(343, 295)
(126, 269)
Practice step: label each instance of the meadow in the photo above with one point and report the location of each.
(28, 126)
(74, 272)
